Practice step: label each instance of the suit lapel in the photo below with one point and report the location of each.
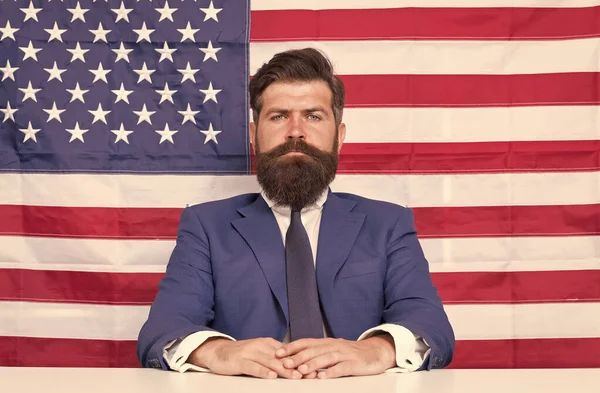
(259, 228)
(337, 234)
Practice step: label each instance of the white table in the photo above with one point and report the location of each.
(74, 380)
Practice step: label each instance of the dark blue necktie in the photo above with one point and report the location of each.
(303, 297)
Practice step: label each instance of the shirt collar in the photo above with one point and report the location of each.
(286, 209)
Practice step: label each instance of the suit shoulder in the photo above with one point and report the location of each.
(374, 206)
(360, 200)
(381, 214)
(224, 205)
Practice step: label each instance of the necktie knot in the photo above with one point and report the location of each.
(295, 214)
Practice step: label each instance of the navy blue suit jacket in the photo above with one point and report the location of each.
(227, 273)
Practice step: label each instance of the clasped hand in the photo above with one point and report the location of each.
(306, 358)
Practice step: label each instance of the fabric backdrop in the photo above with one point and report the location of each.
(481, 115)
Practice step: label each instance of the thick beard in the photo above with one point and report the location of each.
(296, 181)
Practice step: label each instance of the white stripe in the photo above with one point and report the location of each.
(475, 190)
(410, 125)
(410, 190)
(500, 321)
(361, 4)
(120, 190)
(502, 254)
(94, 255)
(445, 57)
(62, 320)
(507, 254)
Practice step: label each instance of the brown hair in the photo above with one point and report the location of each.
(298, 65)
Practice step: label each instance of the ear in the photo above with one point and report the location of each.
(252, 131)
(341, 136)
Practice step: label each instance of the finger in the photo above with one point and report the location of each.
(255, 369)
(308, 354)
(325, 360)
(296, 346)
(271, 343)
(312, 375)
(277, 366)
(342, 369)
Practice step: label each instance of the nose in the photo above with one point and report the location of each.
(296, 129)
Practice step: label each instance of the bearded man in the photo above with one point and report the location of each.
(297, 281)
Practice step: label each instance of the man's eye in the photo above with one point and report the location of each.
(277, 117)
(314, 117)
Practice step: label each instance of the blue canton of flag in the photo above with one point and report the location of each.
(124, 86)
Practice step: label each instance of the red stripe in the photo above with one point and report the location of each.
(431, 222)
(576, 88)
(63, 352)
(454, 288)
(523, 353)
(426, 23)
(78, 287)
(518, 287)
(90, 222)
(478, 157)
(528, 353)
(494, 221)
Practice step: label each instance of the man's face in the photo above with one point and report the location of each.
(296, 142)
(299, 110)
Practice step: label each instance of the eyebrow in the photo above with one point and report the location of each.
(308, 110)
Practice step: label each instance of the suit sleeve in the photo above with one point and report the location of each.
(176, 353)
(185, 300)
(411, 300)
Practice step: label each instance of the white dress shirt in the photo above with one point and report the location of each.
(411, 350)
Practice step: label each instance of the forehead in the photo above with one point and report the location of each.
(296, 95)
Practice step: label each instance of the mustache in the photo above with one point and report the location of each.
(292, 145)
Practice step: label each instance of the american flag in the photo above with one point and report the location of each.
(481, 115)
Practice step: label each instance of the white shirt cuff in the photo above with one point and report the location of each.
(177, 351)
(411, 350)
